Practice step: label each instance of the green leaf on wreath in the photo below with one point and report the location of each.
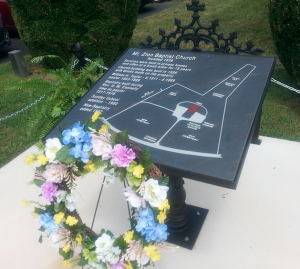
(120, 242)
(155, 212)
(82, 261)
(39, 210)
(109, 233)
(109, 167)
(66, 255)
(41, 168)
(163, 181)
(145, 160)
(63, 154)
(122, 174)
(130, 167)
(38, 183)
(122, 138)
(49, 208)
(41, 239)
(42, 229)
(134, 180)
(59, 207)
(90, 124)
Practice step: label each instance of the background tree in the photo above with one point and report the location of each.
(285, 25)
(104, 27)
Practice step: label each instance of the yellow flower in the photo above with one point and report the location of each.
(59, 217)
(25, 202)
(71, 221)
(104, 128)
(33, 214)
(138, 171)
(66, 248)
(164, 206)
(79, 240)
(42, 159)
(161, 217)
(29, 159)
(66, 263)
(90, 166)
(152, 252)
(96, 116)
(128, 236)
(128, 266)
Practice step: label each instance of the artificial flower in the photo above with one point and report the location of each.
(59, 217)
(66, 263)
(104, 128)
(52, 145)
(110, 177)
(47, 221)
(29, 159)
(134, 199)
(77, 250)
(101, 147)
(67, 248)
(113, 255)
(54, 172)
(154, 193)
(122, 156)
(61, 196)
(96, 116)
(71, 221)
(128, 236)
(73, 135)
(79, 152)
(48, 191)
(79, 240)
(136, 252)
(152, 252)
(90, 255)
(138, 171)
(70, 200)
(161, 217)
(128, 266)
(61, 238)
(25, 202)
(164, 205)
(90, 167)
(118, 265)
(103, 245)
(42, 159)
(33, 214)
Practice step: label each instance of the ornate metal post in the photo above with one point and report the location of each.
(80, 62)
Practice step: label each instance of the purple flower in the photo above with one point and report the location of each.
(48, 191)
(122, 155)
(118, 265)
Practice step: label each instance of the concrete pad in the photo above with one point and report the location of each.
(255, 226)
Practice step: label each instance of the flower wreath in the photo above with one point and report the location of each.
(81, 150)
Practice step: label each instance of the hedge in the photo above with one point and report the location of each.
(285, 25)
(104, 27)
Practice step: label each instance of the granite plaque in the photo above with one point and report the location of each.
(194, 111)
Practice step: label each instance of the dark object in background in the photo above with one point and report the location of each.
(4, 37)
(145, 2)
(7, 18)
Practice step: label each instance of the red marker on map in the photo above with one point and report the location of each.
(193, 108)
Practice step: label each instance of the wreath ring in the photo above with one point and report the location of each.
(81, 150)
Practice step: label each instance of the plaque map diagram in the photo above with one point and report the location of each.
(179, 119)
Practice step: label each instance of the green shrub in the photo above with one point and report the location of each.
(104, 27)
(285, 25)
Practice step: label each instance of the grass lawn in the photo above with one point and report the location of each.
(281, 113)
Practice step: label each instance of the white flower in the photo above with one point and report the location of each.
(53, 145)
(110, 177)
(101, 148)
(113, 255)
(71, 197)
(154, 193)
(96, 265)
(54, 172)
(61, 195)
(103, 245)
(134, 199)
(70, 206)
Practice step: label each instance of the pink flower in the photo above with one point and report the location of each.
(48, 191)
(101, 148)
(122, 155)
(54, 172)
(134, 199)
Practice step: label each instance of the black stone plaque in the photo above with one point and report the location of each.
(194, 111)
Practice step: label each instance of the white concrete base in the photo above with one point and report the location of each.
(256, 226)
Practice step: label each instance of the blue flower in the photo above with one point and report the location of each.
(48, 222)
(87, 147)
(75, 135)
(149, 228)
(76, 151)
